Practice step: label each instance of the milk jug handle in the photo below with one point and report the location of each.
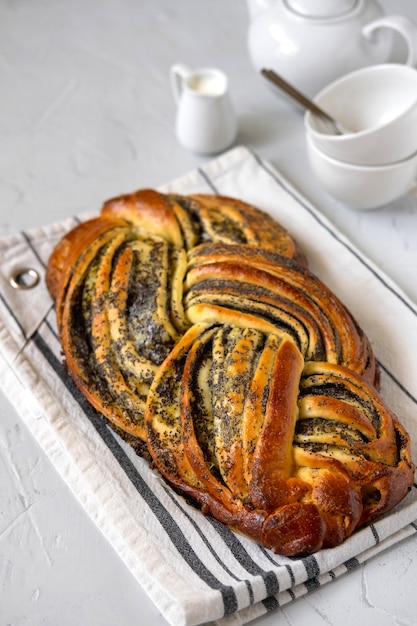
(402, 25)
(178, 73)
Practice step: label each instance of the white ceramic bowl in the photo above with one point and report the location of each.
(378, 103)
(362, 186)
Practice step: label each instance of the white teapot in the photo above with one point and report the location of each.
(310, 43)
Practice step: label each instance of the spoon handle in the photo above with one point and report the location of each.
(301, 99)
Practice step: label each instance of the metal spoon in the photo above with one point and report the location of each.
(278, 81)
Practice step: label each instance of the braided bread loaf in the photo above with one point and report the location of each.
(193, 324)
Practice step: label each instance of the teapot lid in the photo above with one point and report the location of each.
(321, 8)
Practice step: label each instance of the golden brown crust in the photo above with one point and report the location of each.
(193, 324)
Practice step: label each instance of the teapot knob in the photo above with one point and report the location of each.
(321, 8)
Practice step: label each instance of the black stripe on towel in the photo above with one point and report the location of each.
(313, 571)
(351, 563)
(26, 237)
(286, 565)
(208, 181)
(164, 517)
(375, 533)
(311, 565)
(397, 382)
(209, 546)
(245, 560)
(13, 315)
(291, 573)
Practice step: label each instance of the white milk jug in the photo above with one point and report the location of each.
(205, 121)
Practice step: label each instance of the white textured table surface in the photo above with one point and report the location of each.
(86, 113)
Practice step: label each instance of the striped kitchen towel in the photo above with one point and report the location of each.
(195, 569)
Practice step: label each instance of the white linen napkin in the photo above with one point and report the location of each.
(194, 569)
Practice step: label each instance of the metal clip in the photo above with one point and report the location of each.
(24, 278)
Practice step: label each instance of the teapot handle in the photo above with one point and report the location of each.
(402, 25)
(178, 73)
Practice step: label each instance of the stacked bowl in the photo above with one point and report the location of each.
(374, 160)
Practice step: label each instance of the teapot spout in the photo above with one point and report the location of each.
(255, 7)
